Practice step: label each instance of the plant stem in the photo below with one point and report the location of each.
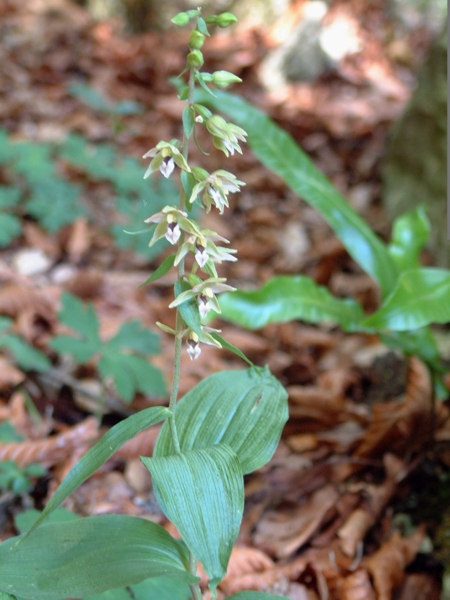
(195, 588)
(179, 321)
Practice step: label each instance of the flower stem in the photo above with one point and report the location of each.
(179, 321)
(195, 588)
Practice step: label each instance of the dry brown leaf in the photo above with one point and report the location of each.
(284, 534)
(245, 561)
(52, 450)
(10, 376)
(79, 240)
(386, 566)
(357, 586)
(141, 444)
(401, 426)
(420, 586)
(353, 531)
(17, 298)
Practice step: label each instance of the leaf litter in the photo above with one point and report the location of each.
(320, 519)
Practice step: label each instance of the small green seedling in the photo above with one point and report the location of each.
(122, 358)
(27, 357)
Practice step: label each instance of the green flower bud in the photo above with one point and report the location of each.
(223, 79)
(212, 19)
(196, 40)
(199, 173)
(225, 19)
(180, 19)
(195, 58)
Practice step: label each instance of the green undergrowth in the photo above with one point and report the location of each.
(54, 184)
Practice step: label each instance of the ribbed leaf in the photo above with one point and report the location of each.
(155, 588)
(286, 298)
(421, 297)
(410, 232)
(99, 454)
(244, 409)
(279, 152)
(202, 492)
(87, 556)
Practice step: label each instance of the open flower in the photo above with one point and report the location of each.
(215, 188)
(193, 341)
(202, 245)
(205, 294)
(170, 222)
(165, 156)
(226, 136)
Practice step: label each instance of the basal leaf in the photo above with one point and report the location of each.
(285, 298)
(99, 454)
(244, 409)
(421, 297)
(202, 492)
(410, 232)
(279, 152)
(86, 556)
(157, 588)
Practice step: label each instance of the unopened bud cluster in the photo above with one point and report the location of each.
(199, 186)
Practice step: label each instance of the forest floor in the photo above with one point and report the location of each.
(355, 492)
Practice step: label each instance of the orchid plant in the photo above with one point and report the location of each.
(225, 427)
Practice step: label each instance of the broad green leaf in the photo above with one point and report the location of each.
(189, 309)
(27, 357)
(244, 409)
(10, 228)
(202, 492)
(134, 336)
(131, 374)
(55, 202)
(86, 556)
(81, 350)
(127, 107)
(99, 454)
(157, 588)
(163, 268)
(25, 520)
(249, 595)
(410, 232)
(90, 96)
(9, 195)
(5, 324)
(285, 298)
(421, 297)
(279, 152)
(82, 318)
